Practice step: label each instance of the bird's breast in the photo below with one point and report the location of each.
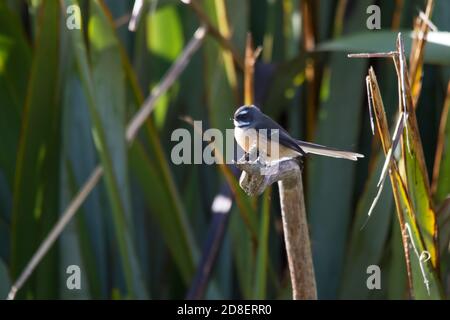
(271, 151)
(245, 138)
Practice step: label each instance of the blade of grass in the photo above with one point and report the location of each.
(5, 282)
(119, 209)
(287, 78)
(218, 224)
(69, 249)
(98, 172)
(333, 179)
(213, 31)
(172, 227)
(244, 258)
(415, 174)
(162, 24)
(396, 278)
(220, 210)
(91, 240)
(444, 226)
(77, 140)
(423, 281)
(261, 265)
(157, 159)
(36, 188)
(15, 61)
(224, 28)
(441, 172)
(220, 87)
(366, 246)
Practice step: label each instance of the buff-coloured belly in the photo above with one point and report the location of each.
(247, 138)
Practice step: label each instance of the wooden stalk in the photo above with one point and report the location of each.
(255, 178)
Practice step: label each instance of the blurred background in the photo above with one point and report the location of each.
(66, 97)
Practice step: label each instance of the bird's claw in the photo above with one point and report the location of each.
(245, 159)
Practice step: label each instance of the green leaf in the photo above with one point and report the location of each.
(36, 185)
(396, 277)
(157, 166)
(366, 246)
(112, 153)
(244, 256)
(383, 41)
(166, 209)
(77, 140)
(442, 184)
(260, 279)
(5, 283)
(15, 62)
(108, 79)
(425, 281)
(163, 24)
(416, 178)
(288, 77)
(330, 182)
(221, 102)
(69, 246)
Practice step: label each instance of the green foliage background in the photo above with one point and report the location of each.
(66, 97)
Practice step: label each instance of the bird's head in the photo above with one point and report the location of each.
(245, 116)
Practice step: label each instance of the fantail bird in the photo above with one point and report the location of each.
(248, 122)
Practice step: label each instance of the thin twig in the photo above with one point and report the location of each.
(369, 104)
(57, 229)
(250, 59)
(132, 129)
(136, 14)
(403, 75)
(389, 54)
(427, 20)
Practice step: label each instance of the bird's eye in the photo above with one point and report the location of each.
(242, 116)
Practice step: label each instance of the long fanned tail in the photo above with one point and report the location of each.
(328, 152)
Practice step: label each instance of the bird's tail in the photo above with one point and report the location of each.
(328, 152)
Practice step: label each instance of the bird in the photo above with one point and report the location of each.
(249, 124)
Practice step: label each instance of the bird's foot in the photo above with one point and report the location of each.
(244, 159)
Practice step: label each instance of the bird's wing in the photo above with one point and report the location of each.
(283, 136)
(301, 146)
